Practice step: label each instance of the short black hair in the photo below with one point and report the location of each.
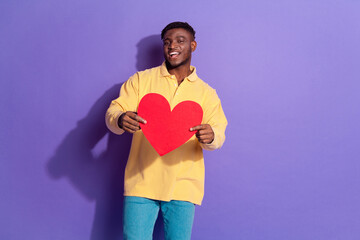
(183, 25)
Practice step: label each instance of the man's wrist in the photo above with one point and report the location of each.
(120, 120)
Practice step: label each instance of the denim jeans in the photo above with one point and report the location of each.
(140, 215)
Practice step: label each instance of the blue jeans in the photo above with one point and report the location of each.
(140, 215)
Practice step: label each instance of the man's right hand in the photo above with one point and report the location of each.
(129, 121)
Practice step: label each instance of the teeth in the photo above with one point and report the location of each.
(174, 53)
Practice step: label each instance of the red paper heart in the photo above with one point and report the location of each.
(167, 130)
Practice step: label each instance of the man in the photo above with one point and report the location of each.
(174, 182)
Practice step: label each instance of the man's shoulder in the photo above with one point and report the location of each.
(149, 71)
(207, 91)
(204, 85)
(145, 74)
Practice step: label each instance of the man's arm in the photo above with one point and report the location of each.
(211, 134)
(121, 115)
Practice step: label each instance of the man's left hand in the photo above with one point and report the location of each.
(204, 134)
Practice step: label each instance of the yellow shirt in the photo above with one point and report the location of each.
(178, 175)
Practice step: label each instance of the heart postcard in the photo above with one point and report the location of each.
(168, 129)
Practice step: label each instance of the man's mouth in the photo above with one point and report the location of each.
(174, 54)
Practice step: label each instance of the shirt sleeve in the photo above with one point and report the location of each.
(127, 101)
(215, 117)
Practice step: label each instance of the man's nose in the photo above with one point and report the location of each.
(172, 45)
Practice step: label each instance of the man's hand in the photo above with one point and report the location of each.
(129, 121)
(204, 134)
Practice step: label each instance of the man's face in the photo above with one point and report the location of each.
(178, 46)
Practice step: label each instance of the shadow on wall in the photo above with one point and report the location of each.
(149, 52)
(101, 177)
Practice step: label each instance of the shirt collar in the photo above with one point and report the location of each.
(192, 77)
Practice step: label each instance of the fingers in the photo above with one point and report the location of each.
(130, 126)
(204, 133)
(130, 122)
(202, 129)
(199, 127)
(208, 138)
(140, 119)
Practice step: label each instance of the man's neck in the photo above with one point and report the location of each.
(180, 72)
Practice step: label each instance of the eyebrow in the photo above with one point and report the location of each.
(175, 37)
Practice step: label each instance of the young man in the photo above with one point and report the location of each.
(174, 182)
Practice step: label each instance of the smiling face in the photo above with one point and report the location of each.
(178, 46)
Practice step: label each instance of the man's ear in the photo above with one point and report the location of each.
(193, 45)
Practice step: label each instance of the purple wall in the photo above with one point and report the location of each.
(289, 78)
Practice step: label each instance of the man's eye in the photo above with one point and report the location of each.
(166, 43)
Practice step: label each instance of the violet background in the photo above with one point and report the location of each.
(288, 75)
